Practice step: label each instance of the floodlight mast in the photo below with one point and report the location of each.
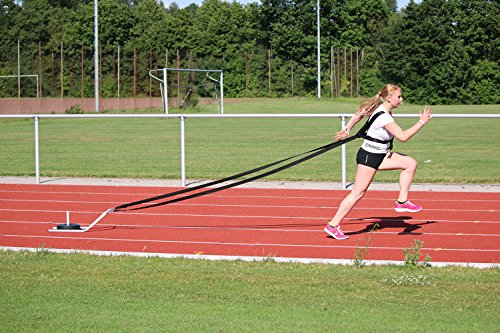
(319, 45)
(96, 56)
(18, 70)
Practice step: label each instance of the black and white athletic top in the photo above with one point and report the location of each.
(377, 131)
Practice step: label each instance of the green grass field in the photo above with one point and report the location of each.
(44, 292)
(456, 150)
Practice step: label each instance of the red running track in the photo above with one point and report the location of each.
(284, 224)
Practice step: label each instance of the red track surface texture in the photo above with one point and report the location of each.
(278, 223)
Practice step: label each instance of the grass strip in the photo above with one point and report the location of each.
(45, 292)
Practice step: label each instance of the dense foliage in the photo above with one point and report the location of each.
(439, 51)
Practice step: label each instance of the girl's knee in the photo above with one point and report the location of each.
(410, 163)
(357, 194)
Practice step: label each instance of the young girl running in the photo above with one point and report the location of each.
(376, 155)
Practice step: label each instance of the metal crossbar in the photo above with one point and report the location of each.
(25, 75)
(164, 83)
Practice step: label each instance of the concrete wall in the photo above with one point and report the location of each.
(60, 105)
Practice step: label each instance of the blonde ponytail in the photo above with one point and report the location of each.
(369, 105)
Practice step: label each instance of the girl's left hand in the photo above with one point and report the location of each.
(426, 115)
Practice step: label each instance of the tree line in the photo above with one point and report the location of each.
(438, 51)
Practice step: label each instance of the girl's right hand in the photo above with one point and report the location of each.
(341, 135)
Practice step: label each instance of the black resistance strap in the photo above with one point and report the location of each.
(308, 155)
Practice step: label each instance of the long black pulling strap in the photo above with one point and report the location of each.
(309, 154)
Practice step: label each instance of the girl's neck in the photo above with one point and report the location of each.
(388, 107)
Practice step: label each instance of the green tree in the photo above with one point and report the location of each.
(478, 26)
(433, 48)
(115, 30)
(363, 22)
(225, 35)
(392, 5)
(439, 51)
(484, 84)
(292, 37)
(9, 11)
(116, 24)
(33, 22)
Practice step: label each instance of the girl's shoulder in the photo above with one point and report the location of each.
(384, 118)
(379, 109)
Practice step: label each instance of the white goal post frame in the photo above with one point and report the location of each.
(163, 83)
(25, 75)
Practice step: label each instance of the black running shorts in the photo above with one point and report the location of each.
(372, 160)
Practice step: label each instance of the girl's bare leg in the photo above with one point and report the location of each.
(407, 165)
(364, 177)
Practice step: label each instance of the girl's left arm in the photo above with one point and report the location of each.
(405, 135)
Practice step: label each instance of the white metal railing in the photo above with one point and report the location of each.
(183, 117)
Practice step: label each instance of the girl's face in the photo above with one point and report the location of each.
(395, 98)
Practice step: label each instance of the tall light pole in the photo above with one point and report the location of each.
(319, 65)
(96, 57)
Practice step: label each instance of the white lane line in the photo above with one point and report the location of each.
(249, 195)
(262, 229)
(271, 207)
(221, 243)
(353, 220)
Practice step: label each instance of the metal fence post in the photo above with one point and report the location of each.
(344, 182)
(37, 153)
(183, 154)
(222, 92)
(165, 92)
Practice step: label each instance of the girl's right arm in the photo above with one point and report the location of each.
(350, 124)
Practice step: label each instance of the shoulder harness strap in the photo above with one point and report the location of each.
(362, 133)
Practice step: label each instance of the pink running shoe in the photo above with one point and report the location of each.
(335, 232)
(407, 207)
